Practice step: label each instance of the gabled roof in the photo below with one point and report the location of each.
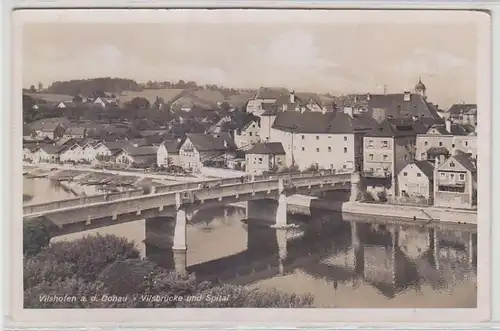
(398, 127)
(75, 131)
(216, 142)
(115, 146)
(267, 148)
(51, 149)
(396, 106)
(456, 129)
(461, 108)
(426, 167)
(318, 122)
(40, 124)
(172, 146)
(465, 160)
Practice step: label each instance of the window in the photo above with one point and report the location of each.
(385, 143)
(452, 176)
(466, 143)
(422, 156)
(345, 138)
(250, 134)
(442, 174)
(385, 157)
(329, 149)
(303, 137)
(303, 148)
(419, 175)
(462, 176)
(452, 145)
(405, 174)
(452, 164)
(440, 143)
(426, 143)
(371, 157)
(344, 166)
(454, 189)
(406, 157)
(370, 143)
(317, 149)
(345, 149)
(317, 137)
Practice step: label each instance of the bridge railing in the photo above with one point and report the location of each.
(28, 209)
(41, 207)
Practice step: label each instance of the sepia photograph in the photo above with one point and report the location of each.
(251, 159)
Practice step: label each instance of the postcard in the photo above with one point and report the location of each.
(323, 163)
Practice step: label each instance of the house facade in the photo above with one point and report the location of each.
(455, 182)
(46, 154)
(168, 154)
(416, 181)
(198, 149)
(265, 95)
(463, 113)
(74, 153)
(247, 136)
(445, 138)
(265, 157)
(75, 132)
(137, 156)
(324, 140)
(50, 131)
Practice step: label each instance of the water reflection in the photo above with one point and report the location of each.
(339, 250)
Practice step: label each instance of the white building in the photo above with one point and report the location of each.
(247, 136)
(326, 140)
(168, 154)
(265, 95)
(74, 153)
(265, 157)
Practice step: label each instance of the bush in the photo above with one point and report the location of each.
(89, 255)
(313, 167)
(35, 237)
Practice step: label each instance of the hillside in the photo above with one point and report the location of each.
(89, 87)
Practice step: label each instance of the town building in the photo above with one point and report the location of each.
(106, 151)
(88, 146)
(268, 156)
(265, 95)
(455, 182)
(463, 113)
(50, 130)
(443, 139)
(302, 102)
(75, 132)
(74, 153)
(325, 140)
(168, 153)
(388, 148)
(247, 136)
(137, 156)
(198, 150)
(416, 183)
(46, 153)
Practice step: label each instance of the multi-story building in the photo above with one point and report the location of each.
(443, 139)
(168, 153)
(455, 181)
(199, 149)
(388, 148)
(327, 140)
(416, 180)
(247, 136)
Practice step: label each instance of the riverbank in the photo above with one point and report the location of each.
(301, 203)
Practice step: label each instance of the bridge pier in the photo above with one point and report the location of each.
(355, 186)
(179, 247)
(281, 238)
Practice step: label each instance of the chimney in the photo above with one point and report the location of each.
(447, 123)
(436, 162)
(368, 96)
(292, 96)
(407, 96)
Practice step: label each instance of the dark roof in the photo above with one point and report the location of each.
(215, 142)
(50, 122)
(267, 148)
(51, 149)
(426, 167)
(114, 146)
(461, 108)
(465, 160)
(172, 146)
(140, 151)
(27, 130)
(318, 122)
(396, 106)
(398, 127)
(420, 85)
(438, 151)
(456, 129)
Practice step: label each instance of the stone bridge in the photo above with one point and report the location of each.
(178, 200)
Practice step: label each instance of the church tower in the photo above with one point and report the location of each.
(420, 88)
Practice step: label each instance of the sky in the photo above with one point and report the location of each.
(342, 57)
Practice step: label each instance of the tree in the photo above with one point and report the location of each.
(139, 103)
(35, 237)
(32, 88)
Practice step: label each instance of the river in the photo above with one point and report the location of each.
(387, 264)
